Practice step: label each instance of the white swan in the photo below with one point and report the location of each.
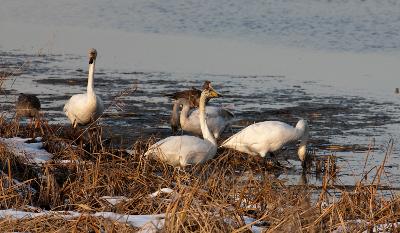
(269, 136)
(185, 150)
(218, 118)
(84, 108)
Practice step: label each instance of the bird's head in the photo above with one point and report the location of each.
(209, 92)
(92, 55)
(206, 84)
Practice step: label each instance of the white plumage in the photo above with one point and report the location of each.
(269, 136)
(84, 108)
(218, 118)
(186, 150)
(183, 150)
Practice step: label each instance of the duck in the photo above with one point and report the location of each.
(27, 105)
(82, 109)
(187, 150)
(269, 136)
(193, 95)
(218, 118)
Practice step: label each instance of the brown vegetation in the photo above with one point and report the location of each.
(213, 197)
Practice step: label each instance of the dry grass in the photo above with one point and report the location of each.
(213, 197)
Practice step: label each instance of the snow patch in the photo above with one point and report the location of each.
(163, 190)
(115, 200)
(33, 152)
(148, 223)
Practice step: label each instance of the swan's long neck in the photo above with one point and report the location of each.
(184, 114)
(90, 85)
(207, 135)
(175, 116)
(303, 135)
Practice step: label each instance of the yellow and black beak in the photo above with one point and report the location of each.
(214, 94)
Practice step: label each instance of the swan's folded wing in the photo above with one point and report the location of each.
(249, 135)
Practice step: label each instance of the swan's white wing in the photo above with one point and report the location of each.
(74, 102)
(182, 150)
(74, 107)
(77, 109)
(261, 137)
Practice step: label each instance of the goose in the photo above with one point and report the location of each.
(84, 108)
(188, 150)
(193, 95)
(27, 105)
(269, 136)
(218, 118)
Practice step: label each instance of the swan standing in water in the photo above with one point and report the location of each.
(85, 108)
(269, 136)
(27, 105)
(193, 95)
(218, 118)
(185, 150)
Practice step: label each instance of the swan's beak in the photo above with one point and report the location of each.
(214, 94)
(91, 60)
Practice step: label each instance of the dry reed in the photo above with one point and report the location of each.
(213, 197)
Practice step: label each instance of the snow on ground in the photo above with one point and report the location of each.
(150, 222)
(378, 228)
(163, 190)
(114, 200)
(146, 223)
(33, 152)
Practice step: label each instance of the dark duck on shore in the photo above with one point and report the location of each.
(193, 95)
(27, 105)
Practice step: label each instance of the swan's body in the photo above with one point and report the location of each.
(183, 150)
(218, 118)
(27, 105)
(187, 150)
(269, 136)
(84, 108)
(193, 95)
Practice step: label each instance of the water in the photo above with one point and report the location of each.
(332, 62)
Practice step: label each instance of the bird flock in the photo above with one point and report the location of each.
(190, 112)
